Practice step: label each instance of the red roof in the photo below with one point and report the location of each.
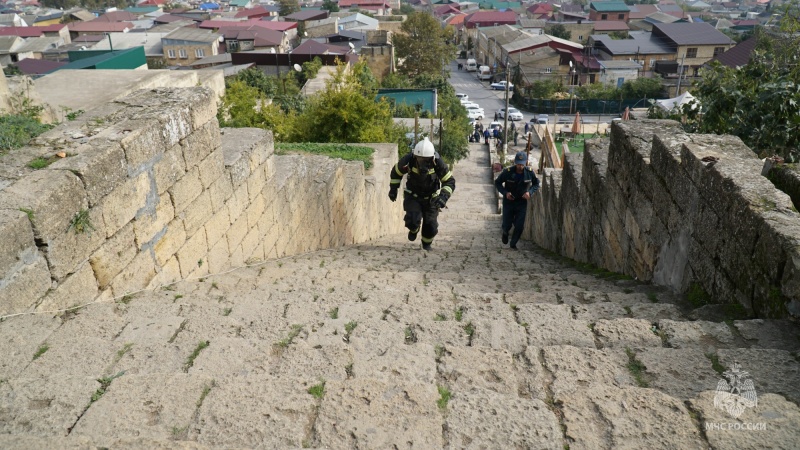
(99, 27)
(262, 37)
(490, 18)
(441, 10)
(269, 25)
(362, 3)
(312, 47)
(457, 20)
(641, 11)
(24, 32)
(610, 25)
(30, 66)
(258, 11)
(540, 8)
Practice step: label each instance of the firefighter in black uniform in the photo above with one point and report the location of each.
(429, 185)
(516, 184)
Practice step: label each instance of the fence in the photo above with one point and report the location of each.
(542, 106)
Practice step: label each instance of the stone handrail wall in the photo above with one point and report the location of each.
(151, 191)
(687, 211)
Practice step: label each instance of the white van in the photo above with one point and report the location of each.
(471, 65)
(484, 73)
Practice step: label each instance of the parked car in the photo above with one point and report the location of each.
(462, 97)
(476, 109)
(541, 119)
(468, 104)
(475, 114)
(501, 86)
(513, 114)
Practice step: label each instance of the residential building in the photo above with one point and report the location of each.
(249, 38)
(489, 43)
(58, 30)
(80, 28)
(618, 72)
(482, 19)
(609, 10)
(186, 45)
(693, 43)
(641, 47)
(578, 31)
(541, 57)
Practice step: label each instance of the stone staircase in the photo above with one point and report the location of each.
(383, 345)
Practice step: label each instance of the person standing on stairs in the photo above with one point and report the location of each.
(429, 185)
(516, 184)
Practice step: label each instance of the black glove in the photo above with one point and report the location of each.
(393, 194)
(440, 201)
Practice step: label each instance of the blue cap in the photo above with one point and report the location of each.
(521, 158)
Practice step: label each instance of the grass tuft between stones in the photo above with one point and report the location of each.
(318, 390)
(636, 368)
(444, 397)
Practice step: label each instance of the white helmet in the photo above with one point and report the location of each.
(424, 149)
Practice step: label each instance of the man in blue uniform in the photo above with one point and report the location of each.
(429, 185)
(516, 184)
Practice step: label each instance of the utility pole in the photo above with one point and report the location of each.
(440, 132)
(680, 75)
(505, 115)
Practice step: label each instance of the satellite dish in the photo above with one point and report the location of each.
(352, 47)
(222, 38)
(298, 68)
(305, 33)
(570, 64)
(272, 50)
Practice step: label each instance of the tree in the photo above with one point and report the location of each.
(643, 88)
(424, 45)
(245, 106)
(343, 113)
(288, 7)
(560, 31)
(759, 101)
(406, 9)
(330, 5)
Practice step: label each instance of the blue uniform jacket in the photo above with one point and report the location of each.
(507, 182)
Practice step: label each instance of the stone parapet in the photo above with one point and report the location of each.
(149, 191)
(687, 211)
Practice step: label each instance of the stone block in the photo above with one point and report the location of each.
(170, 272)
(142, 140)
(186, 189)
(255, 211)
(220, 191)
(201, 143)
(149, 224)
(203, 104)
(554, 325)
(136, 275)
(238, 145)
(169, 106)
(23, 285)
(706, 336)
(169, 169)
(218, 256)
(238, 202)
(217, 226)
(15, 228)
(169, 243)
(20, 338)
(53, 196)
(250, 242)
(680, 373)
(621, 333)
(121, 205)
(197, 213)
(68, 249)
(255, 183)
(101, 168)
(191, 254)
(576, 368)
(237, 232)
(212, 168)
(113, 255)
(79, 288)
(774, 371)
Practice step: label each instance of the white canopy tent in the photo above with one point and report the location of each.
(678, 102)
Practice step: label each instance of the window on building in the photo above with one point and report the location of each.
(652, 62)
(171, 54)
(182, 53)
(621, 17)
(199, 52)
(603, 16)
(691, 52)
(548, 70)
(580, 38)
(718, 50)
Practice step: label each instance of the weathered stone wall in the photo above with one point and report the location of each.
(160, 193)
(785, 177)
(687, 211)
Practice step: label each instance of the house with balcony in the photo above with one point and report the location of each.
(542, 57)
(483, 19)
(694, 44)
(184, 46)
(640, 47)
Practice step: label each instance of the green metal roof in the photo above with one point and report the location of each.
(142, 9)
(609, 6)
(497, 4)
(239, 3)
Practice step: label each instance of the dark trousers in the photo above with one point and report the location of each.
(514, 212)
(421, 211)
